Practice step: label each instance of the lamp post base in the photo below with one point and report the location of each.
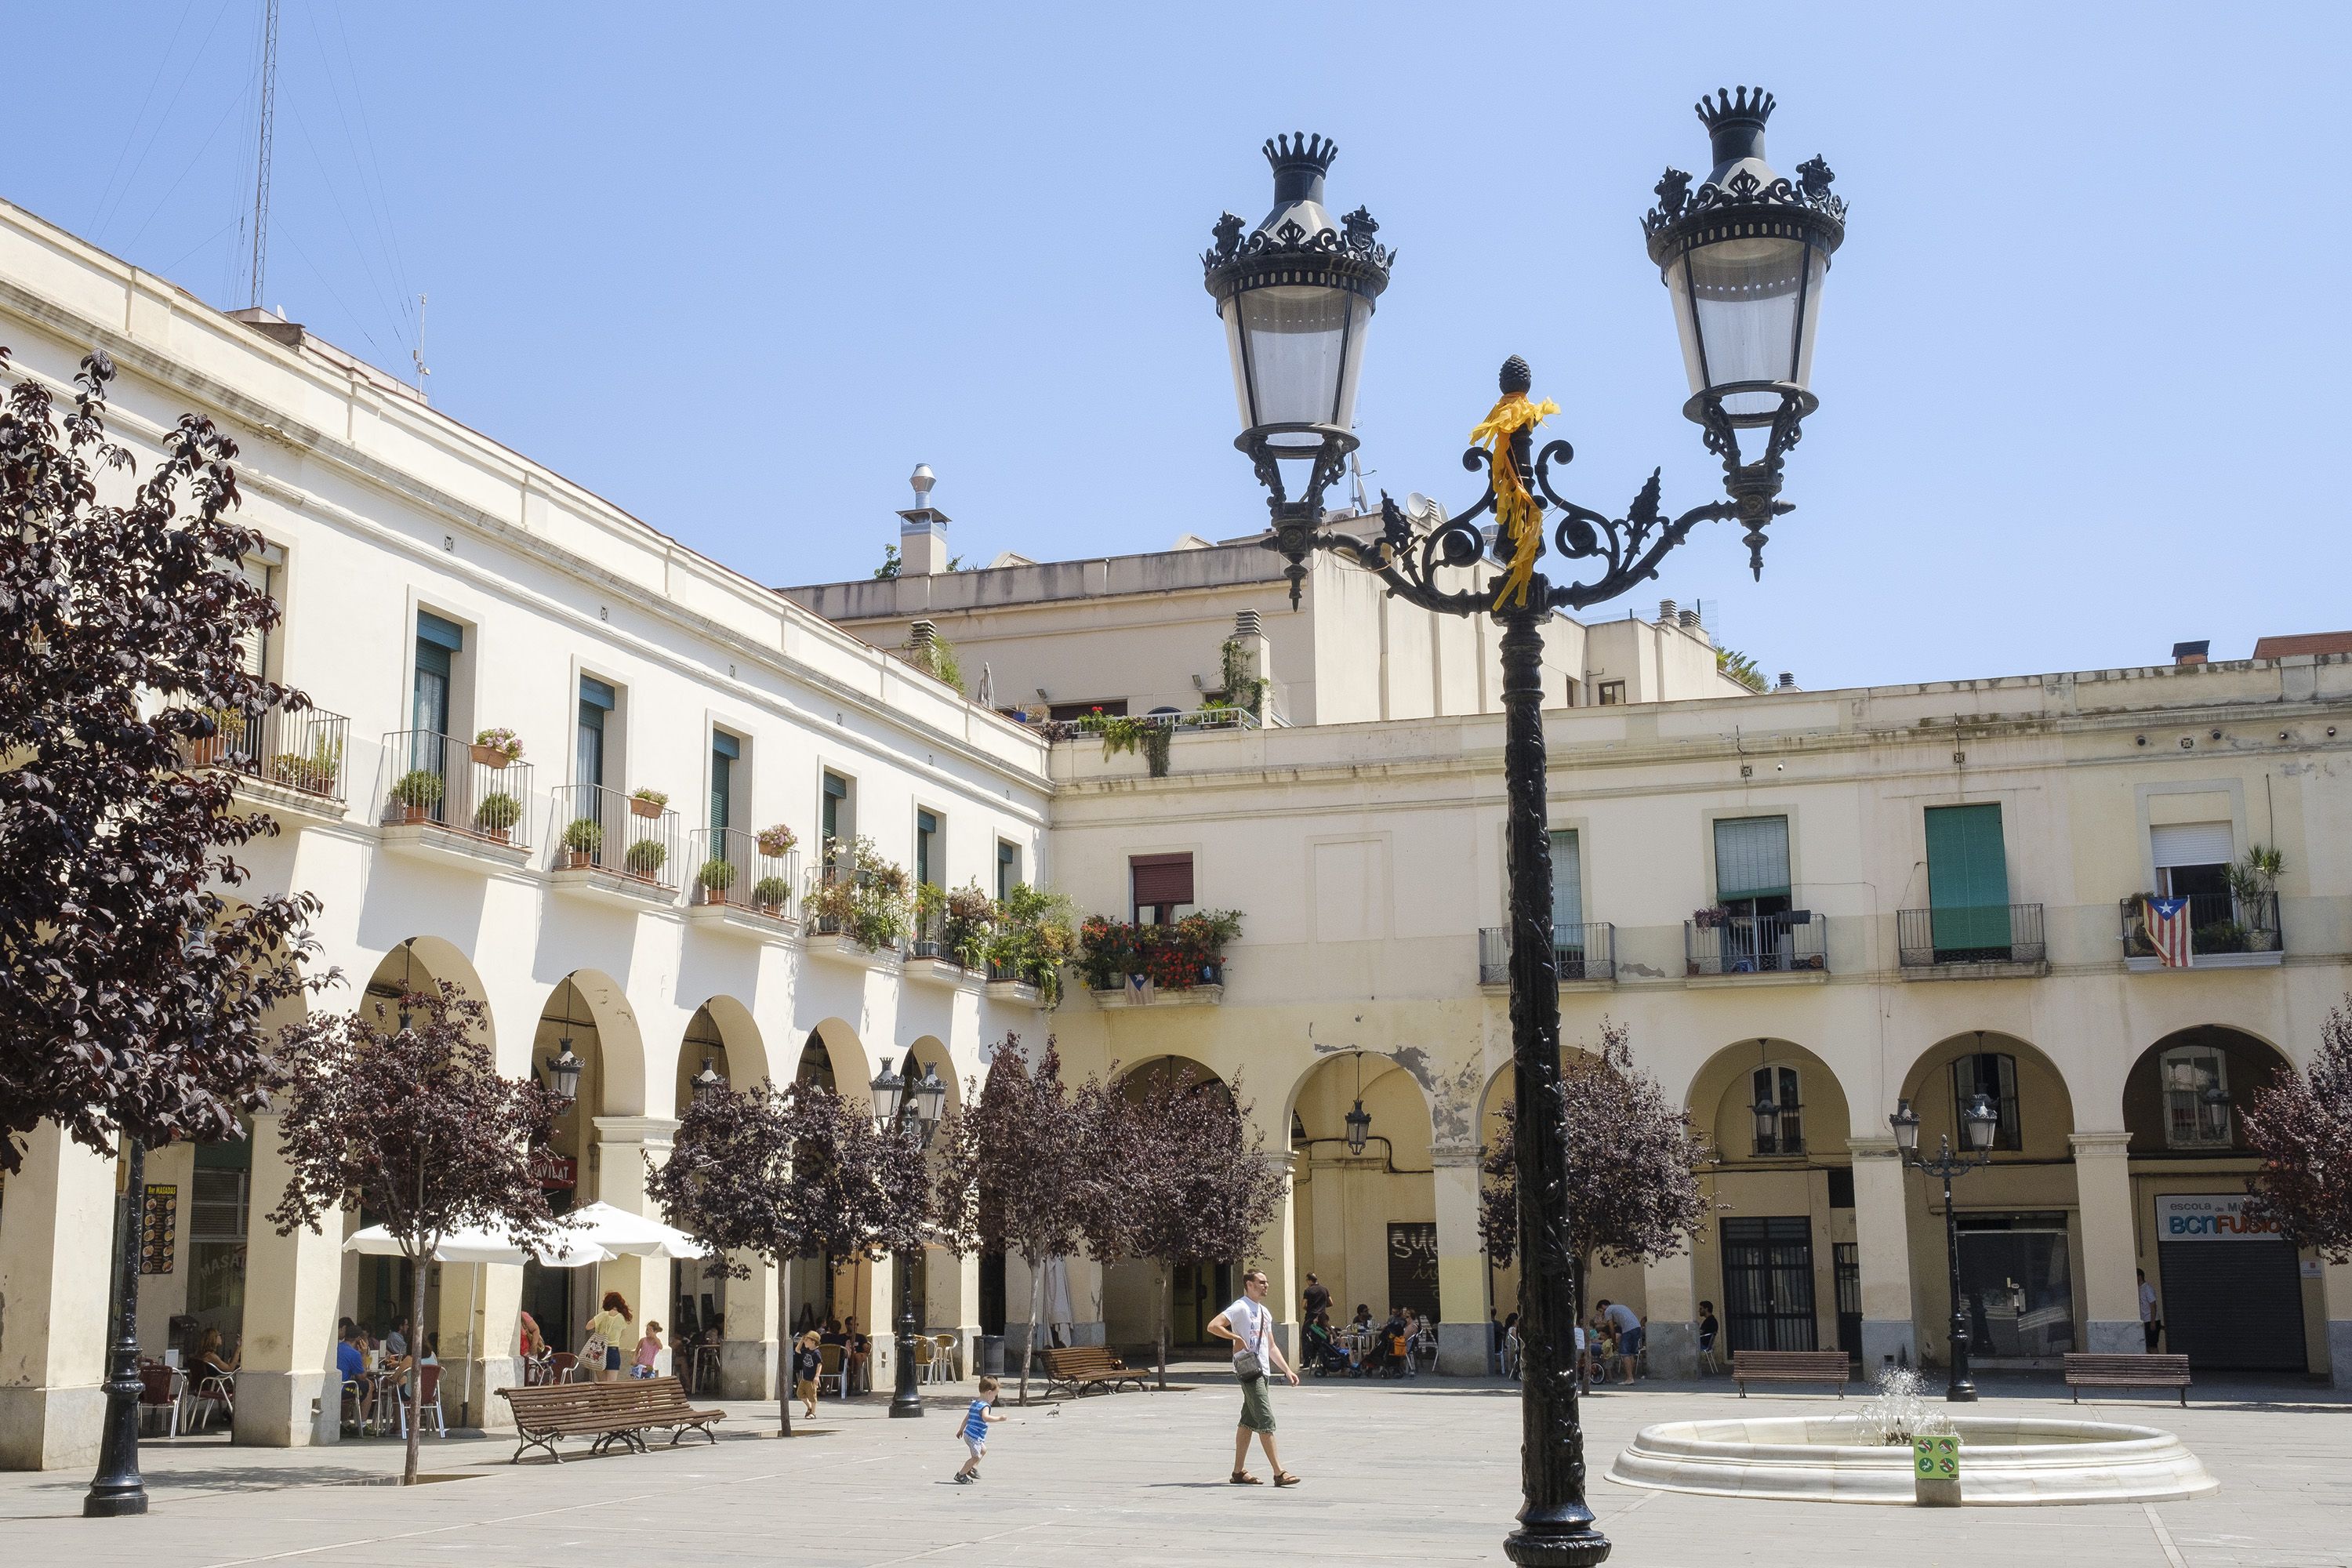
(1557, 1549)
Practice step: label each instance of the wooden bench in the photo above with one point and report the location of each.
(1790, 1366)
(2128, 1371)
(1077, 1368)
(609, 1412)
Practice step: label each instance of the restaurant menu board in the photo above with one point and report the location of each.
(159, 1226)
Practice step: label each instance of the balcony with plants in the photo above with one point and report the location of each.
(454, 802)
(1585, 954)
(616, 849)
(1725, 943)
(746, 882)
(859, 907)
(1029, 937)
(2237, 927)
(949, 939)
(1180, 963)
(289, 760)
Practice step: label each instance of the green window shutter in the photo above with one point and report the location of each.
(722, 789)
(1567, 882)
(1752, 857)
(1967, 879)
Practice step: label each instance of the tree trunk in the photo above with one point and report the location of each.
(1159, 1310)
(787, 1383)
(1036, 1320)
(416, 1362)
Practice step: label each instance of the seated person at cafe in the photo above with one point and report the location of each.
(210, 1363)
(859, 1354)
(1396, 1335)
(350, 1362)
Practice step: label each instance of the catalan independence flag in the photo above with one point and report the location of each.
(2167, 930)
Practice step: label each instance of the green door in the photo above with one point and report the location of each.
(1968, 881)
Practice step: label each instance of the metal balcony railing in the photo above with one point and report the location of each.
(1987, 933)
(1586, 951)
(608, 831)
(300, 750)
(472, 790)
(730, 867)
(821, 879)
(2217, 922)
(928, 937)
(1757, 944)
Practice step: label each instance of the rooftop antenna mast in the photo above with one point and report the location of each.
(417, 354)
(261, 161)
(1356, 479)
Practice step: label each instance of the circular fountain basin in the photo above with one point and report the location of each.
(1828, 1459)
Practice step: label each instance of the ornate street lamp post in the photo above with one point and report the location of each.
(117, 1490)
(1978, 1123)
(911, 1107)
(1744, 258)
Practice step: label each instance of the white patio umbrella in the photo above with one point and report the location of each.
(630, 1234)
(563, 1249)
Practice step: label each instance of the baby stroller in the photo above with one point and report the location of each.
(1324, 1358)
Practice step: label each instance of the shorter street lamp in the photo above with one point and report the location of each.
(564, 1071)
(1359, 1120)
(911, 1106)
(1978, 1123)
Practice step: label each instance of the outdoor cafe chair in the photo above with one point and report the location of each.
(831, 1368)
(161, 1387)
(431, 1419)
(213, 1389)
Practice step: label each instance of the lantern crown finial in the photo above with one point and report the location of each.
(1746, 106)
(1516, 377)
(1301, 152)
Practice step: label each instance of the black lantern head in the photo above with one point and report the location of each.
(564, 1072)
(1295, 295)
(887, 1086)
(930, 1096)
(709, 1080)
(1360, 1128)
(1980, 1122)
(1906, 1122)
(1767, 1118)
(1744, 257)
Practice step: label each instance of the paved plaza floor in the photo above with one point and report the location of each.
(1410, 1473)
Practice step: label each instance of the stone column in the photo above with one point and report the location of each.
(2339, 1324)
(1278, 1253)
(481, 1342)
(1882, 1227)
(2110, 1253)
(952, 1284)
(57, 1229)
(1464, 1340)
(747, 1355)
(623, 1144)
(287, 1395)
(1670, 1336)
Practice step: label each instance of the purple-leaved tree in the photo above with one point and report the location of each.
(400, 1109)
(2301, 1126)
(1191, 1177)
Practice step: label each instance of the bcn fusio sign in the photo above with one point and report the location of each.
(2209, 1216)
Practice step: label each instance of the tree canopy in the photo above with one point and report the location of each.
(2301, 1125)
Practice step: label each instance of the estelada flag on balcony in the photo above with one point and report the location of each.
(2168, 930)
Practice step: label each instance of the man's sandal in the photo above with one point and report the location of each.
(1243, 1478)
(1284, 1478)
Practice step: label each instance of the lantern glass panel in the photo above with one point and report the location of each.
(1746, 310)
(1296, 352)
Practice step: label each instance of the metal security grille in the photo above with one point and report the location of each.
(1767, 1283)
(2235, 1304)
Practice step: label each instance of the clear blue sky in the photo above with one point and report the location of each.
(740, 268)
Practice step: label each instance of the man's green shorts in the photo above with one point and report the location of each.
(1257, 1404)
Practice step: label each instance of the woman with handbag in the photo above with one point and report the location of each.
(1250, 1326)
(600, 1352)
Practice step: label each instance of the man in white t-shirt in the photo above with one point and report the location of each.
(1628, 1324)
(2149, 1327)
(1250, 1326)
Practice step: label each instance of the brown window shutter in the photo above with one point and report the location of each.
(1162, 879)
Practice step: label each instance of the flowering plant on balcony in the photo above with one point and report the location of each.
(505, 743)
(778, 841)
(652, 797)
(861, 895)
(967, 920)
(1031, 938)
(1175, 957)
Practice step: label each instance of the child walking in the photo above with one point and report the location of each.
(649, 1351)
(977, 1420)
(808, 1360)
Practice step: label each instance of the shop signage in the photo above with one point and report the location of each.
(553, 1172)
(2209, 1217)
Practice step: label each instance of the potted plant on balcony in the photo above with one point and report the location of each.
(316, 773)
(416, 792)
(1029, 939)
(715, 877)
(582, 836)
(643, 859)
(647, 802)
(1710, 918)
(965, 922)
(778, 841)
(227, 722)
(497, 748)
(770, 894)
(2253, 882)
(498, 814)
